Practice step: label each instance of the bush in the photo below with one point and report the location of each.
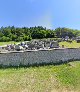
(5, 39)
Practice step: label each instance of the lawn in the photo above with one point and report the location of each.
(6, 43)
(59, 78)
(74, 44)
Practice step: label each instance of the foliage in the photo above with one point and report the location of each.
(62, 32)
(25, 33)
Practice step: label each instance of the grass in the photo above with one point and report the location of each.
(6, 43)
(74, 44)
(59, 78)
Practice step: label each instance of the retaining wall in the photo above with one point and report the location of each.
(26, 58)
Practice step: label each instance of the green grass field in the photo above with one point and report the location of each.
(60, 78)
(74, 44)
(6, 43)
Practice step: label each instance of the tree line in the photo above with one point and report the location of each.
(23, 34)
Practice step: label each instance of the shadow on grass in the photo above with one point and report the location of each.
(37, 64)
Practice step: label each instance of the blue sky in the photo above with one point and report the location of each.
(46, 13)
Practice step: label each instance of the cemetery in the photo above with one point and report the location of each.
(37, 52)
(30, 46)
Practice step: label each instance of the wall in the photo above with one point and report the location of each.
(25, 58)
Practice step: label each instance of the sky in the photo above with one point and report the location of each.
(47, 13)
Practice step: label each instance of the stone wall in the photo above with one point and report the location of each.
(53, 56)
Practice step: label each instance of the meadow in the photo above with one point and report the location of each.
(59, 78)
